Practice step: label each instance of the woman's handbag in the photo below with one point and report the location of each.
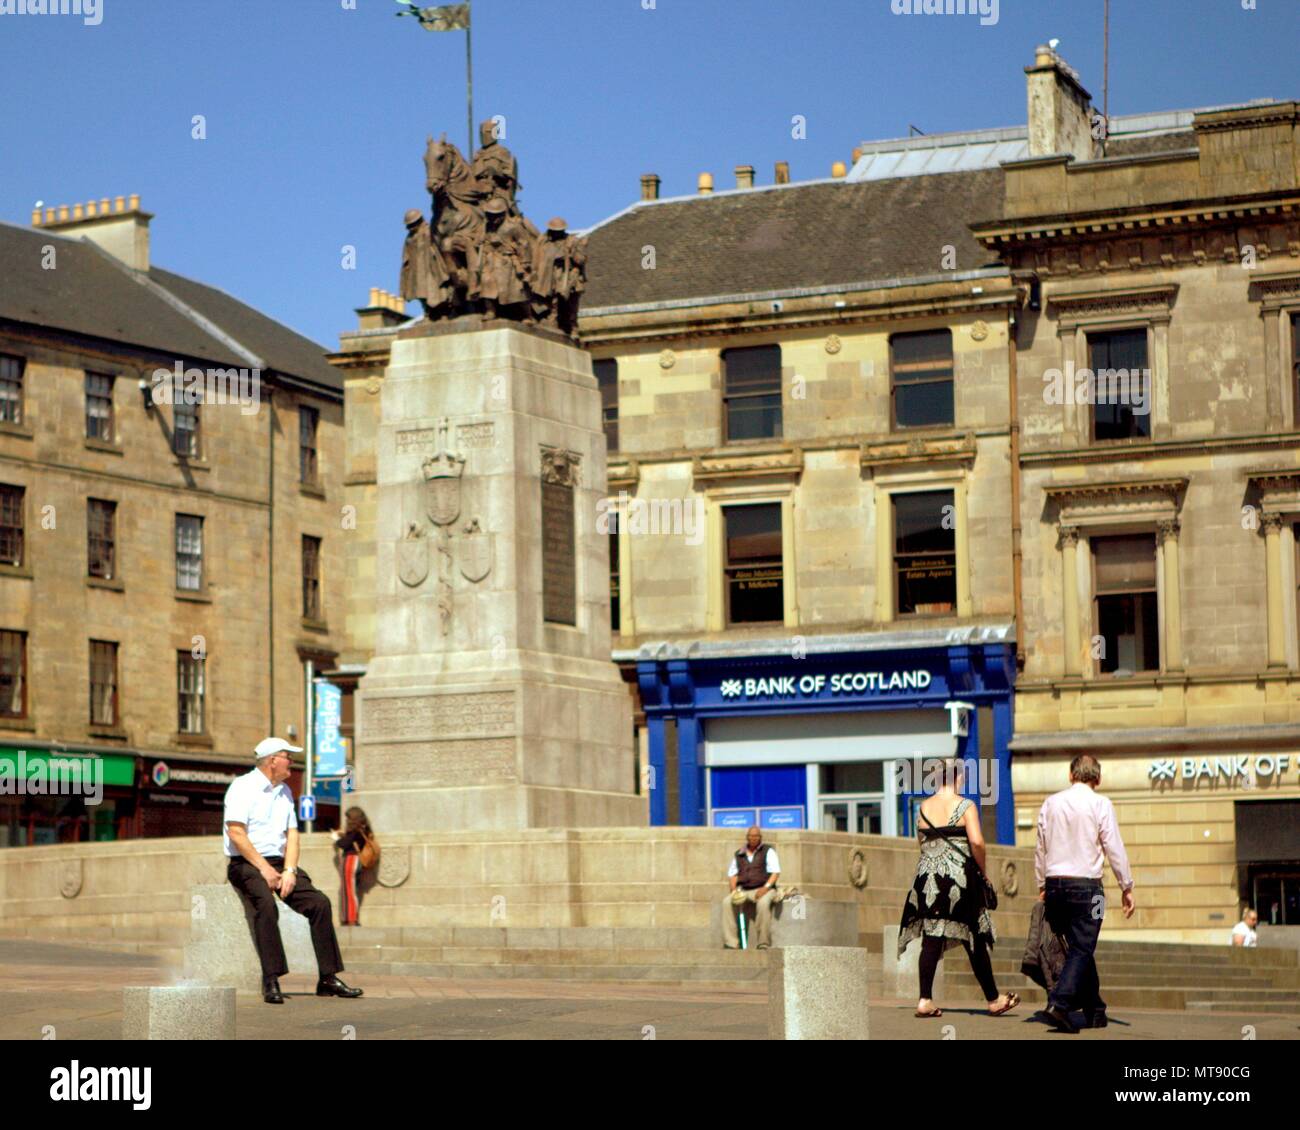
(370, 851)
(990, 894)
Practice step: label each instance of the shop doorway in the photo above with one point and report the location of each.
(1275, 895)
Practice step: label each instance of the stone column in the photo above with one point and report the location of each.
(1275, 375)
(1276, 620)
(1167, 531)
(1070, 595)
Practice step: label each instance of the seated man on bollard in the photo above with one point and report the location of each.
(261, 841)
(754, 871)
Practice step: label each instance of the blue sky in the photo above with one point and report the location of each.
(317, 113)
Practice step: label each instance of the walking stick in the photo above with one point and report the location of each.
(740, 913)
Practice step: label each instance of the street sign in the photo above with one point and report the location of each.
(306, 807)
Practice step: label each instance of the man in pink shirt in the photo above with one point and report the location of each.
(1077, 833)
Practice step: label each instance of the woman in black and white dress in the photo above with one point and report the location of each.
(946, 905)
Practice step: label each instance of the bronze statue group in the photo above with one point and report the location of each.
(480, 254)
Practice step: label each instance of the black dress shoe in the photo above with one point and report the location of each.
(333, 987)
(1095, 1019)
(1057, 1019)
(271, 990)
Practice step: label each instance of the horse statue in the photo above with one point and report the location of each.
(459, 226)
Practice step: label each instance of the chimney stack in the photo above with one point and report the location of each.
(123, 232)
(1060, 109)
(782, 172)
(704, 186)
(744, 176)
(650, 186)
(382, 310)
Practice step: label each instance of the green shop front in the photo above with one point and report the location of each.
(65, 796)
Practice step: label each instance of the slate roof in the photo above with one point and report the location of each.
(812, 234)
(91, 293)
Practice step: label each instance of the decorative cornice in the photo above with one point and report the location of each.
(622, 474)
(919, 449)
(1079, 306)
(1124, 451)
(732, 467)
(1121, 489)
(1266, 481)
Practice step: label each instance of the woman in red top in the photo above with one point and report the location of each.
(349, 840)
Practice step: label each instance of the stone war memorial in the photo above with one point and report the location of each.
(491, 701)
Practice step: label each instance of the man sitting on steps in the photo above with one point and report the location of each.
(754, 869)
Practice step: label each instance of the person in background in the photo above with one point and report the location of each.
(754, 869)
(1077, 832)
(349, 838)
(1243, 933)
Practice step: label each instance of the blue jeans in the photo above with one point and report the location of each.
(1074, 910)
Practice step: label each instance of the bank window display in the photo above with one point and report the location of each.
(920, 374)
(99, 407)
(606, 372)
(12, 501)
(190, 692)
(101, 538)
(925, 553)
(751, 399)
(185, 430)
(1122, 388)
(189, 552)
(13, 674)
(103, 683)
(11, 389)
(308, 423)
(310, 578)
(754, 576)
(1126, 617)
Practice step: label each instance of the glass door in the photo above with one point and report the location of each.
(852, 814)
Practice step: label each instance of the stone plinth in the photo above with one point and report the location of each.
(817, 993)
(178, 1012)
(221, 950)
(491, 700)
(800, 921)
(902, 974)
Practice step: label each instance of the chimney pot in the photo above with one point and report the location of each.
(135, 202)
(705, 184)
(374, 296)
(744, 176)
(90, 209)
(857, 154)
(77, 212)
(49, 215)
(119, 204)
(839, 170)
(783, 172)
(103, 206)
(63, 213)
(650, 186)
(36, 217)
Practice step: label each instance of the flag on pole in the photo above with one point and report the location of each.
(446, 17)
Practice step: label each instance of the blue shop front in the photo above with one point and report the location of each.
(837, 739)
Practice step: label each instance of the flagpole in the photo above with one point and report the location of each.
(469, 82)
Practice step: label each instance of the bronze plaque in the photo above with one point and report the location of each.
(559, 574)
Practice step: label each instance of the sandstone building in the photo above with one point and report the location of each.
(167, 562)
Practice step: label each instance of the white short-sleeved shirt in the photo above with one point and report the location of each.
(265, 808)
(773, 864)
(1241, 930)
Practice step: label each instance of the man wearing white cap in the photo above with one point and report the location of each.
(261, 836)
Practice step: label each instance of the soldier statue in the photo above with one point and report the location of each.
(506, 262)
(424, 275)
(559, 277)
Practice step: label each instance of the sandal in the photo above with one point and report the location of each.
(1013, 999)
(926, 1015)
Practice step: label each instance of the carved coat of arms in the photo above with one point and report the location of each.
(474, 552)
(442, 482)
(413, 557)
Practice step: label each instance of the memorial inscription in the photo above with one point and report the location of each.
(423, 717)
(559, 578)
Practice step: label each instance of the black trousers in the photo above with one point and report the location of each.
(304, 898)
(932, 951)
(1075, 908)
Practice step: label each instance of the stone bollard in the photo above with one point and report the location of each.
(221, 950)
(901, 976)
(817, 993)
(178, 1012)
